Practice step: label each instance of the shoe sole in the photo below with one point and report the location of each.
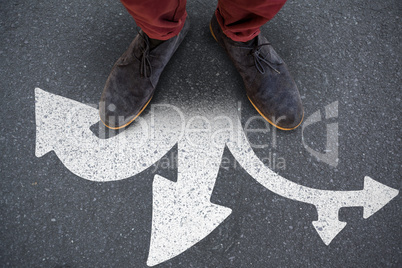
(269, 121)
(128, 123)
(255, 107)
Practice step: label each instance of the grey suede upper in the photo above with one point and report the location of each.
(268, 83)
(133, 79)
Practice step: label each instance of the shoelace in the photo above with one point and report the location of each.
(145, 62)
(259, 59)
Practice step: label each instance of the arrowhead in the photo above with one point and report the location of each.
(54, 117)
(377, 196)
(328, 229)
(179, 220)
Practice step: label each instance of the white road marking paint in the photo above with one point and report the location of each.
(62, 125)
(372, 198)
(182, 212)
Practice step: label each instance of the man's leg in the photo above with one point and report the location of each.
(269, 86)
(134, 77)
(158, 19)
(241, 20)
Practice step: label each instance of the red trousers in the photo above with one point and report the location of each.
(240, 19)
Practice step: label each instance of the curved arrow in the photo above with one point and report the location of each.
(62, 126)
(372, 197)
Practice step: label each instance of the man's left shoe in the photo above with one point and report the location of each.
(269, 85)
(133, 79)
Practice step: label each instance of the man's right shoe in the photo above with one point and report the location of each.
(269, 85)
(132, 81)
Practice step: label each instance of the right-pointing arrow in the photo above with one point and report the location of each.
(372, 197)
(376, 196)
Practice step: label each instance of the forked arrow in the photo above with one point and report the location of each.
(372, 197)
(182, 212)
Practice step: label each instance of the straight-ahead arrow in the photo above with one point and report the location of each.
(182, 213)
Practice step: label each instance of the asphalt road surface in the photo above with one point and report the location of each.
(345, 57)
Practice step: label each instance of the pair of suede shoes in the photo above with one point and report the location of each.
(133, 79)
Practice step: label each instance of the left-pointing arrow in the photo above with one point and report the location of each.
(62, 125)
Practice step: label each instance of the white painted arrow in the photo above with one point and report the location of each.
(372, 198)
(62, 125)
(182, 211)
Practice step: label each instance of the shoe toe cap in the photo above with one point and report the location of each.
(290, 118)
(285, 114)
